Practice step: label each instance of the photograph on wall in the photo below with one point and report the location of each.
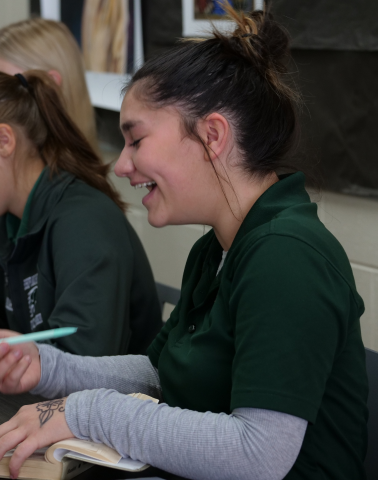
(200, 16)
(213, 9)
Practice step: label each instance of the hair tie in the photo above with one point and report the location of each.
(247, 35)
(23, 81)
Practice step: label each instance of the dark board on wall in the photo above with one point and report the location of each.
(340, 118)
(335, 48)
(162, 25)
(324, 25)
(71, 11)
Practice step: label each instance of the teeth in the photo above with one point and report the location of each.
(145, 184)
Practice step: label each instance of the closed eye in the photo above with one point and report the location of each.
(135, 143)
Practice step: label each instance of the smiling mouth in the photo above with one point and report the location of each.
(149, 185)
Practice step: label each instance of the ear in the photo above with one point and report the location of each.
(7, 140)
(57, 77)
(214, 131)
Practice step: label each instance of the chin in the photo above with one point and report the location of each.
(157, 222)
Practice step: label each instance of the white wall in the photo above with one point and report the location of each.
(13, 11)
(353, 220)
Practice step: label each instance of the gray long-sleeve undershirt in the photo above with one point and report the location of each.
(250, 443)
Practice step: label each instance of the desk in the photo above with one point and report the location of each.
(10, 404)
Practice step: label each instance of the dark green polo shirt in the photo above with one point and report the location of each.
(15, 227)
(277, 329)
(75, 260)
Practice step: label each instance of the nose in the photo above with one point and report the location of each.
(125, 165)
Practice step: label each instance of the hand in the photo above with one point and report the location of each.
(33, 426)
(20, 366)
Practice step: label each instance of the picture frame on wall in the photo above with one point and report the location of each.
(200, 15)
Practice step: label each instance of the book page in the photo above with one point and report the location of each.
(124, 463)
(38, 453)
(98, 451)
(142, 396)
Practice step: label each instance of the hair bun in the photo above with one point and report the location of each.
(260, 40)
(275, 37)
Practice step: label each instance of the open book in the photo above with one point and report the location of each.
(68, 458)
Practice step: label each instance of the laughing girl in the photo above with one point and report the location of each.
(260, 369)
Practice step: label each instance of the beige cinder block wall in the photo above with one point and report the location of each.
(13, 11)
(354, 222)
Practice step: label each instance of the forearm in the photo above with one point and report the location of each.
(249, 444)
(63, 373)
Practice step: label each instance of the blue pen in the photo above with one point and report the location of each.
(39, 336)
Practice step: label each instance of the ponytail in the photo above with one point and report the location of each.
(36, 106)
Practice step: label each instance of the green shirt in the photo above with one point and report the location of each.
(16, 228)
(278, 329)
(75, 260)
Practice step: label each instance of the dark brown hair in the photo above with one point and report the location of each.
(39, 112)
(243, 76)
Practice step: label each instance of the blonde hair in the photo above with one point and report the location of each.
(48, 45)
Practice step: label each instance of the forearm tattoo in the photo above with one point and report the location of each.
(47, 410)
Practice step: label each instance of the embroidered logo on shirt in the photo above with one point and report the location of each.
(8, 304)
(30, 282)
(37, 320)
(32, 300)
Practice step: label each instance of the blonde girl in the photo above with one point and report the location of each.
(48, 45)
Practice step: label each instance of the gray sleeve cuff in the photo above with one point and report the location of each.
(50, 383)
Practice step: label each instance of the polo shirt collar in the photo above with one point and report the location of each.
(46, 195)
(14, 226)
(288, 191)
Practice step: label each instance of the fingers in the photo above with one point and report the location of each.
(15, 376)
(12, 381)
(22, 452)
(10, 440)
(8, 359)
(4, 429)
(4, 349)
(7, 333)
(13, 365)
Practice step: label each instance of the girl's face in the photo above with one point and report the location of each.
(173, 168)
